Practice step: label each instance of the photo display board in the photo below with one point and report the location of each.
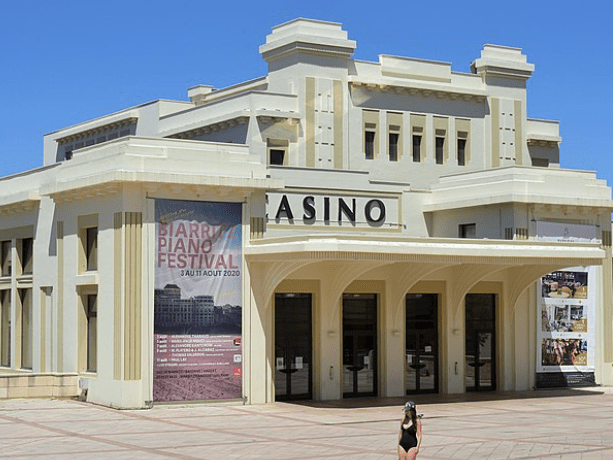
(566, 312)
(197, 301)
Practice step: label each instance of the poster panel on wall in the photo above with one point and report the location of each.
(565, 352)
(197, 301)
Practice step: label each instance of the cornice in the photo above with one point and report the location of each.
(418, 90)
(98, 129)
(211, 127)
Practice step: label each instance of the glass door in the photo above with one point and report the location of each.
(480, 342)
(421, 343)
(359, 345)
(293, 347)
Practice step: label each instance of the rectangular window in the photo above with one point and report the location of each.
(88, 243)
(92, 332)
(277, 151)
(369, 145)
(393, 146)
(5, 328)
(27, 248)
(440, 150)
(91, 248)
(416, 148)
(276, 157)
(467, 231)
(461, 152)
(25, 296)
(5, 258)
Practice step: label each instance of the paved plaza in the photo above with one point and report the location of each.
(561, 424)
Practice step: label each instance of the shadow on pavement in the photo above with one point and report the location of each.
(358, 403)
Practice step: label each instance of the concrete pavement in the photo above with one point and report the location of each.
(561, 424)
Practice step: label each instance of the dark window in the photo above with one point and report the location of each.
(5, 267)
(25, 296)
(393, 146)
(277, 156)
(440, 146)
(92, 332)
(369, 145)
(5, 328)
(461, 152)
(416, 148)
(27, 246)
(91, 248)
(467, 231)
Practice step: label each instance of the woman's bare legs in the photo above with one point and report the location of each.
(410, 455)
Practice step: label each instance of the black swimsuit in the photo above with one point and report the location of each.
(408, 438)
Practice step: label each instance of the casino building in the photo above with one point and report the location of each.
(396, 220)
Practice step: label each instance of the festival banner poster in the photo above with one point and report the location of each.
(197, 301)
(566, 324)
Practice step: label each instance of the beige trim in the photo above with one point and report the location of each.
(310, 121)
(117, 277)
(132, 296)
(338, 124)
(495, 124)
(60, 296)
(519, 145)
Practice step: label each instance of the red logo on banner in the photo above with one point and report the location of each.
(238, 371)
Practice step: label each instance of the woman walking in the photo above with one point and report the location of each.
(409, 437)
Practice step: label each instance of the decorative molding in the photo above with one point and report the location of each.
(97, 130)
(415, 91)
(208, 129)
(543, 143)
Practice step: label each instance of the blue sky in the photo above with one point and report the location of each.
(65, 62)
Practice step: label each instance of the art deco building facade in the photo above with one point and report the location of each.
(396, 218)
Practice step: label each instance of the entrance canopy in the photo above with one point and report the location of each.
(340, 259)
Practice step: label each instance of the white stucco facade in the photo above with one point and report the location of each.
(381, 179)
